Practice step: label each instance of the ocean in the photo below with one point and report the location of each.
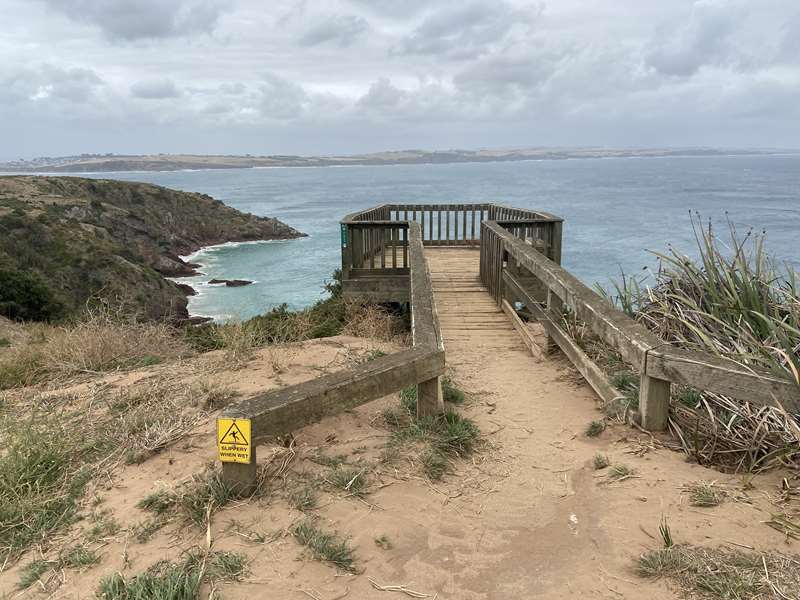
(615, 212)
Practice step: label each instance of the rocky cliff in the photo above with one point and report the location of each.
(85, 239)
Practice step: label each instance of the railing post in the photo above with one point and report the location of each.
(654, 402)
(430, 401)
(241, 478)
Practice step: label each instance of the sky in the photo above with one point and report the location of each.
(350, 76)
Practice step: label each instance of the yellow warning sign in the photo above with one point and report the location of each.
(233, 440)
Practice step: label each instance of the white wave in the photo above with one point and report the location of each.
(211, 249)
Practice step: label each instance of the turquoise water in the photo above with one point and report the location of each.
(614, 211)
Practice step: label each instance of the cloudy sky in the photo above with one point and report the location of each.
(347, 76)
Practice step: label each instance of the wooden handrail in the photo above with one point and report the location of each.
(542, 282)
(279, 412)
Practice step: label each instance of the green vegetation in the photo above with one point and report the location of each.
(442, 437)
(595, 428)
(194, 501)
(620, 472)
(27, 297)
(353, 480)
(600, 461)
(734, 301)
(324, 546)
(76, 557)
(383, 543)
(705, 494)
(451, 392)
(176, 581)
(304, 498)
(721, 574)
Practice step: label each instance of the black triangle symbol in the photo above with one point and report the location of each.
(236, 436)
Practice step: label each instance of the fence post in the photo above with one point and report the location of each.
(430, 402)
(654, 402)
(241, 478)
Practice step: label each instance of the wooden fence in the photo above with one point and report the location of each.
(374, 242)
(513, 269)
(281, 411)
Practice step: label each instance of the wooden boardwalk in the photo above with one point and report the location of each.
(468, 315)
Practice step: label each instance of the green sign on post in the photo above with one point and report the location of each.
(344, 235)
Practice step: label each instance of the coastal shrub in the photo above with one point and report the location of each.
(735, 301)
(333, 315)
(26, 297)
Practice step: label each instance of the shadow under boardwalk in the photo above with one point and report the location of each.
(468, 315)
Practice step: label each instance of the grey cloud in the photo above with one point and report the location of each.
(703, 39)
(341, 30)
(47, 83)
(466, 30)
(155, 89)
(142, 19)
(280, 98)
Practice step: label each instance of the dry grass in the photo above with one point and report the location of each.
(736, 302)
(99, 343)
(705, 494)
(724, 574)
(54, 445)
(373, 322)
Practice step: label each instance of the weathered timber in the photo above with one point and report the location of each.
(524, 333)
(593, 375)
(707, 372)
(282, 411)
(654, 402)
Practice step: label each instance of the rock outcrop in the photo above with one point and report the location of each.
(102, 239)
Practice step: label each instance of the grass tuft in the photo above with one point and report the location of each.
(304, 498)
(721, 574)
(620, 472)
(175, 581)
(600, 461)
(595, 428)
(352, 480)
(324, 546)
(705, 494)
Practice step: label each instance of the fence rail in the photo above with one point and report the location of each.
(281, 411)
(374, 242)
(514, 270)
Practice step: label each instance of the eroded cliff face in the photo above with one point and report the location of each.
(115, 240)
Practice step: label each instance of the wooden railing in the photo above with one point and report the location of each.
(374, 242)
(514, 270)
(282, 411)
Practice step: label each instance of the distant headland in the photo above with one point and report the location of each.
(87, 163)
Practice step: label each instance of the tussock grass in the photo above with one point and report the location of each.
(325, 546)
(595, 428)
(620, 472)
(705, 494)
(722, 574)
(304, 498)
(442, 437)
(194, 501)
(600, 461)
(175, 581)
(735, 301)
(451, 392)
(352, 480)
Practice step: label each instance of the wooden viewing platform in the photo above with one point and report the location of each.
(465, 270)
